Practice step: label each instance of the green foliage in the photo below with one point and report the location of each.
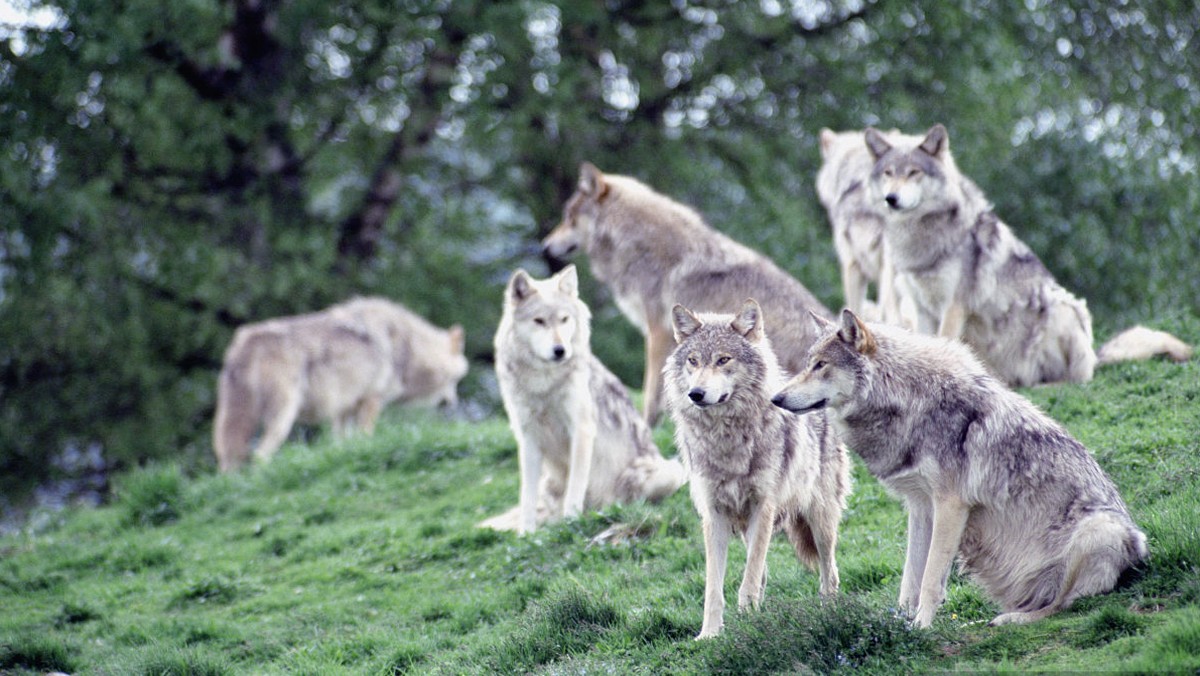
(36, 654)
(169, 171)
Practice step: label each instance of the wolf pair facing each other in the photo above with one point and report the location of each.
(580, 442)
(904, 217)
(985, 476)
(340, 365)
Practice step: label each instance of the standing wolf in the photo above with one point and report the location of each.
(340, 365)
(653, 252)
(753, 468)
(962, 273)
(580, 442)
(984, 474)
(857, 221)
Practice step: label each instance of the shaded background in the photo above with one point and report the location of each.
(170, 170)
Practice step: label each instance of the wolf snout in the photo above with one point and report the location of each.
(555, 253)
(559, 352)
(696, 395)
(779, 400)
(893, 200)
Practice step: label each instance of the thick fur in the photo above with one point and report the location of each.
(653, 252)
(753, 468)
(984, 474)
(857, 221)
(962, 273)
(581, 443)
(341, 365)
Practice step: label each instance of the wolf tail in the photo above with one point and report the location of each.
(654, 477)
(1140, 342)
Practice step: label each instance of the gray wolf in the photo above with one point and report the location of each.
(340, 365)
(984, 474)
(753, 468)
(580, 442)
(653, 252)
(857, 220)
(962, 273)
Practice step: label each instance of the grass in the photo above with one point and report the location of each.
(363, 558)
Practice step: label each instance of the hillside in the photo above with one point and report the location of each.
(363, 558)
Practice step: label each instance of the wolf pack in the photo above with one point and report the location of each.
(768, 391)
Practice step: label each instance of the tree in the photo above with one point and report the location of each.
(169, 171)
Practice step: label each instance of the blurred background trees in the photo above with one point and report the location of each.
(170, 170)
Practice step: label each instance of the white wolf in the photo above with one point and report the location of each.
(753, 468)
(581, 443)
(984, 474)
(340, 365)
(962, 273)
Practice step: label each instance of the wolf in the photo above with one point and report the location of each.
(984, 474)
(580, 441)
(962, 273)
(340, 365)
(654, 252)
(857, 221)
(753, 468)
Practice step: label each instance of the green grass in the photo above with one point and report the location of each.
(363, 558)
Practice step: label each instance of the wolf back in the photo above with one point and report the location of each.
(654, 252)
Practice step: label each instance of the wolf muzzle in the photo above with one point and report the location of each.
(781, 400)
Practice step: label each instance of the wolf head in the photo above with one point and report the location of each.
(719, 358)
(835, 363)
(547, 316)
(579, 214)
(907, 178)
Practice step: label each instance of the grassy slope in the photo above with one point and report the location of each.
(363, 558)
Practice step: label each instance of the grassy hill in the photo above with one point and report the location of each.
(363, 558)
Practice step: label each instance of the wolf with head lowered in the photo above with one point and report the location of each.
(580, 442)
(753, 468)
(960, 272)
(653, 252)
(985, 476)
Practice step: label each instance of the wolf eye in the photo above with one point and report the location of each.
(564, 320)
(721, 361)
(539, 321)
(889, 172)
(692, 361)
(912, 173)
(818, 365)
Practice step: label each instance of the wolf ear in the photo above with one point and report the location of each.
(855, 332)
(876, 143)
(683, 322)
(520, 286)
(568, 281)
(591, 181)
(937, 141)
(828, 137)
(748, 321)
(820, 322)
(458, 337)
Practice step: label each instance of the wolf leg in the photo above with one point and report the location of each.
(949, 519)
(854, 286)
(920, 529)
(367, 413)
(529, 456)
(825, 536)
(953, 321)
(758, 539)
(717, 530)
(280, 415)
(1095, 558)
(660, 341)
(583, 441)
